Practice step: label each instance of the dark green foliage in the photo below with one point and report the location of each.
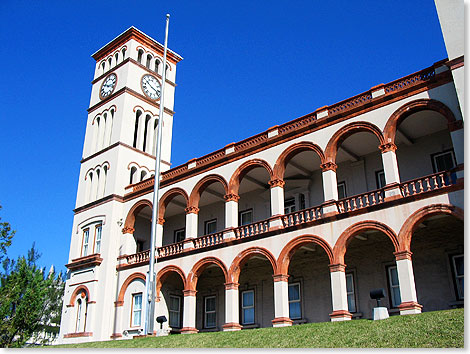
(30, 299)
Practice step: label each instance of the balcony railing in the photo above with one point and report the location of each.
(251, 229)
(302, 216)
(416, 186)
(360, 201)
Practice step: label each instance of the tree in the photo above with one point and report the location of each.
(30, 300)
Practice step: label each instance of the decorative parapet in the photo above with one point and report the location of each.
(85, 262)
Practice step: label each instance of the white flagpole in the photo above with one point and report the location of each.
(150, 285)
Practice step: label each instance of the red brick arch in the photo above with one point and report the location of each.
(243, 256)
(410, 224)
(243, 169)
(167, 197)
(125, 285)
(136, 208)
(413, 107)
(202, 185)
(78, 290)
(290, 152)
(199, 267)
(165, 272)
(339, 250)
(344, 132)
(292, 246)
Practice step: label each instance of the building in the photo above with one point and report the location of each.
(295, 224)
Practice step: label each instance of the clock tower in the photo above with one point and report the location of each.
(119, 150)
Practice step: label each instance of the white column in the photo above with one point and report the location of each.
(231, 308)
(277, 197)
(392, 174)
(231, 210)
(330, 187)
(281, 301)
(108, 129)
(128, 244)
(339, 295)
(191, 222)
(159, 233)
(409, 301)
(189, 312)
(141, 131)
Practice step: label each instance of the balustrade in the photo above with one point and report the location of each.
(361, 201)
(302, 216)
(428, 183)
(208, 240)
(252, 229)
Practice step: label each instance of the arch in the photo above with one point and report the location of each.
(243, 256)
(136, 208)
(199, 267)
(125, 285)
(163, 274)
(243, 169)
(167, 197)
(413, 107)
(289, 250)
(412, 222)
(200, 186)
(77, 291)
(339, 250)
(346, 131)
(290, 152)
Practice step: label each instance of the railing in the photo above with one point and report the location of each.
(428, 183)
(361, 201)
(208, 240)
(251, 229)
(143, 256)
(410, 80)
(170, 250)
(302, 216)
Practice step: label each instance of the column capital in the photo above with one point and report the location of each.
(403, 255)
(387, 147)
(277, 182)
(189, 292)
(231, 197)
(191, 210)
(160, 221)
(231, 286)
(338, 267)
(128, 230)
(280, 277)
(328, 166)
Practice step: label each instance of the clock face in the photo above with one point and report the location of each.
(151, 87)
(108, 86)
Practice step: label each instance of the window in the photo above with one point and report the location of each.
(289, 205)
(174, 310)
(210, 226)
(136, 310)
(350, 292)
(139, 56)
(157, 64)
(380, 179)
(86, 237)
(302, 204)
(180, 235)
(149, 58)
(394, 286)
(79, 315)
(458, 268)
(245, 217)
(139, 246)
(295, 311)
(248, 307)
(123, 53)
(443, 161)
(117, 57)
(342, 190)
(209, 312)
(98, 238)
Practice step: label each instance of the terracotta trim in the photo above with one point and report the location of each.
(115, 335)
(199, 267)
(191, 210)
(108, 198)
(168, 196)
(282, 320)
(338, 267)
(78, 334)
(280, 277)
(341, 314)
(188, 292)
(160, 221)
(231, 197)
(133, 211)
(84, 282)
(243, 169)
(188, 330)
(80, 290)
(85, 262)
(128, 230)
(455, 63)
(242, 257)
(328, 166)
(201, 186)
(410, 305)
(232, 325)
(118, 303)
(231, 286)
(276, 183)
(387, 147)
(165, 272)
(400, 255)
(125, 285)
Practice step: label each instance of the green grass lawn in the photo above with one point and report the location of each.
(439, 329)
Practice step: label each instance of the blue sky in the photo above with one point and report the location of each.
(248, 65)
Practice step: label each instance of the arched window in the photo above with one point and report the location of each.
(139, 55)
(143, 175)
(136, 127)
(82, 312)
(117, 57)
(123, 53)
(167, 67)
(157, 64)
(79, 315)
(110, 61)
(132, 175)
(89, 187)
(103, 64)
(147, 118)
(149, 59)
